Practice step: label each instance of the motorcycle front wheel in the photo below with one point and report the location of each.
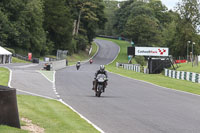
(98, 93)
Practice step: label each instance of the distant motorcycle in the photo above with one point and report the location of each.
(101, 79)
(91, 61)
(78, 65)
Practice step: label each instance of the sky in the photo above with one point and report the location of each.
(170, 4)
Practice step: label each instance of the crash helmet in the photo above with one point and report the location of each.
(102, 68)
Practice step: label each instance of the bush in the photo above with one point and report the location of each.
(140, 60)
(81, 42)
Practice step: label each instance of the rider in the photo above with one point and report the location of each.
(78, 64)
(100, 71)
(91, 61)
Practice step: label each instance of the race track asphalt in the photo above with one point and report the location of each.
(27, 79)
(128, 105)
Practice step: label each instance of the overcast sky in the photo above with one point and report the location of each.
(169, 3)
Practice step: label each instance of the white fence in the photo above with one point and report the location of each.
(133, 67)
(190, 76)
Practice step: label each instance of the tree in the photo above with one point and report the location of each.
(187, 27)
(4, 29)
(160, 11)
(110, 9)
(122, 15)
(189, 12)
(25, 21)
(58, 24)
(88, 17)
(91, 16)
(32, 35)
(143, 30)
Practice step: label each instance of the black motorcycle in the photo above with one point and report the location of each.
(78, 65)
(101, 79)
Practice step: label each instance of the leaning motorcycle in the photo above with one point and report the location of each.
(101, 79)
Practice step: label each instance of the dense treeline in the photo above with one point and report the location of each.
(43, 26)
(152, 24)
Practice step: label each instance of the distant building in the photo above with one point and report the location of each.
(5, 56)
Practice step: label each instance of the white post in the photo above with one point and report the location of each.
(4, 59)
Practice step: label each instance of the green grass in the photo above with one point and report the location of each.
(52, 115)
(188, 67)
(16, 60)
(4, 76)
(48, 74)
(158, 79)
(7, 129)
(81, 56)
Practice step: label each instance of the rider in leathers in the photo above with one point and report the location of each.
(100, 71)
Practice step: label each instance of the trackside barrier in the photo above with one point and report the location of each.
(133, 67)
(189, 76)
(56, 65)
(146, 70)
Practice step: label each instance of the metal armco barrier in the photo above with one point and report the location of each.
(133, 67)
(8, 107)
(189, 76)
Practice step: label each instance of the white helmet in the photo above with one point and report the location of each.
(102, 68)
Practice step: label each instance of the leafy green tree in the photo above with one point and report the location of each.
(110, 9)
(122, 15)
(4, 29)
(32, 35)
(25, 20)
(58, 24)
(143, 30)
(189, 12)
(88, 17)
(160, 11)
(187, 27)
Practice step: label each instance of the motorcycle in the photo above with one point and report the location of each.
(91, 61)
(101, 79)
(78, 66)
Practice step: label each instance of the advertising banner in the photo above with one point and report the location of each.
(151, 51)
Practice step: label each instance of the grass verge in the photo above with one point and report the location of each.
(81, 56)
(188, 67)
(48, 74)
(4, 76)
(158, 79)
(7, 129)
(52, 115)
(16, 60)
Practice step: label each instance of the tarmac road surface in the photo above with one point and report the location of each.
(27, 80)
(128, 105)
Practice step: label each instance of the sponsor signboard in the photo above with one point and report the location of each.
(151, 51)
